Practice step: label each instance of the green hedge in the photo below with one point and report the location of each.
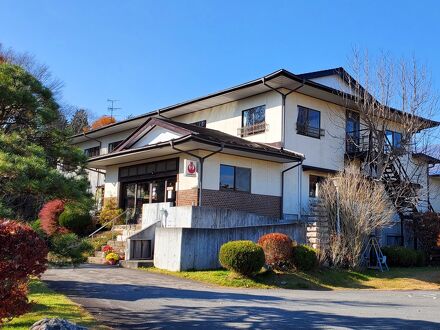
(399, 256)
(243, 257)
(304, 257)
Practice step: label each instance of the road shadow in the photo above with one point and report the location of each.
(230, 317)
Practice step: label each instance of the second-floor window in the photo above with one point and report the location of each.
(308, 122)
(113, 145)
(235, 178)
(92, 152)
(394, 138)
(253, 121)
(200, 123)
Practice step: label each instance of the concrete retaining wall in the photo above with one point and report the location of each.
(201, 217)
(179, 249)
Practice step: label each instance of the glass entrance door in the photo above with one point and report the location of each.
(135, 194)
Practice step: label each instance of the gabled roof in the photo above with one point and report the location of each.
(200, 136)
(282, 78)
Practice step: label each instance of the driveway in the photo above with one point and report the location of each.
(133, 299)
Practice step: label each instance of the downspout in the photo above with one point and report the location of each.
(282, 185)
(283, 106)
(201, 160)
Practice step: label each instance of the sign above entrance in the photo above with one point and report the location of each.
(190, 167)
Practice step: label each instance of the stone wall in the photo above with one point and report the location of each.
(317, 226)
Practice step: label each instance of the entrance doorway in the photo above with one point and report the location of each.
(135, 194)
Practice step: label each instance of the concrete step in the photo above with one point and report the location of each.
(96, 260)
(136, 263)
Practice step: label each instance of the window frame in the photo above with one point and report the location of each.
(319, 180)
(89, 152)
(393, 146)
(234, 188)
(253, 129)
(114, 145)
(304, 129)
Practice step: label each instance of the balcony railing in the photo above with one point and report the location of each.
(251, 130)
(309, 131)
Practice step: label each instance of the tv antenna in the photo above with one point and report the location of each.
(111, 106)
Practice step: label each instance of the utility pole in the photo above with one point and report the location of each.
(111, 106)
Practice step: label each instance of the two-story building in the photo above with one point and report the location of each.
(261, 147)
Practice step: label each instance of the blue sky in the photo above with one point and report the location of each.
(151, 54)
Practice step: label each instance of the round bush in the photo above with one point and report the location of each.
(75, 219)
(243, 257)
(304, 257)
(277, 250)
(399, 256)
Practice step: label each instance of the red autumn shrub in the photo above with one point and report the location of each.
(49, 215)
(103, 121)
(278, 250)
(427, 229)
(22, 254)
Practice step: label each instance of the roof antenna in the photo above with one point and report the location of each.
(111, 107)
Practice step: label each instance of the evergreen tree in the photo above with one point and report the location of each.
(33, 147)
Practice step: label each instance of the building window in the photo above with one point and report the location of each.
(92, 152)
(112, 146)
(235, 178)
(147, 170)
(253, 121)
(394, 138)
(309, 122)
(314, 183)
(200, 123)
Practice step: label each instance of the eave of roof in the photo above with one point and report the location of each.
(301, 80)
(198, 134)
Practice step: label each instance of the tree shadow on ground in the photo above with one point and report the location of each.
(179, 317)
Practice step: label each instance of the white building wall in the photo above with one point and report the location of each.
(434, 192)
(228, 117)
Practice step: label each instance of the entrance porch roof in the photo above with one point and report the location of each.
(189, 138)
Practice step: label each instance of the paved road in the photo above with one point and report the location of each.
(133, 299)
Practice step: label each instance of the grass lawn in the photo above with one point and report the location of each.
(421, 278)
(50, 304)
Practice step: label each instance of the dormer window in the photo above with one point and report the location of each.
(253, 121)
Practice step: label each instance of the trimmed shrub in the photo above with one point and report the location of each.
(22, 254)
(49, 216)
(76, 219)
(304, 257)
(69, 249)
(277, 249)
(399, 256)
(242, 257)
